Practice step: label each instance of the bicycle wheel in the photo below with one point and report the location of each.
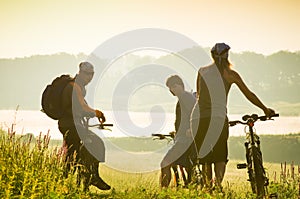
(251, 174)
(260, 181)
(197, 176)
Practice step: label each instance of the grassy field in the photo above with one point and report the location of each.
(31, 169)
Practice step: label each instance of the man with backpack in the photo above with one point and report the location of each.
(71, 124)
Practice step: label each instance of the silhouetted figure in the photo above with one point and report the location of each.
(209, 122)
(76, 135)
(179, 152)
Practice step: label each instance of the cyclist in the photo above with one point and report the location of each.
(178, 154)
(71, 125)
(209, 122)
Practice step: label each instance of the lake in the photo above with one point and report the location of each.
(138, 124)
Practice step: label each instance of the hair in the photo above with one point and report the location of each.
(174, 79)
(222, 62)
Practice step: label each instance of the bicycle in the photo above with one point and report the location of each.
(256, 172)
(180, 174)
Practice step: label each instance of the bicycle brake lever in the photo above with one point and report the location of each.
(264, 118)
(233, 123)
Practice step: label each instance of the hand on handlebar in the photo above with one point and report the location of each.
(172, 134)
(100, 116)
(269, 112)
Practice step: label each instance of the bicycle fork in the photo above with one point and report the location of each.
(245, 165)
(252, 142)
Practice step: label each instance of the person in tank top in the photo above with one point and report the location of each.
(209, 123)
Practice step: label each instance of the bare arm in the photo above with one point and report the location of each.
(198, 84)
(85, 107)
(236, 78)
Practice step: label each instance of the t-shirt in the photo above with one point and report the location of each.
(185, 104)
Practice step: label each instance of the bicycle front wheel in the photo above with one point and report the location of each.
(259, 180)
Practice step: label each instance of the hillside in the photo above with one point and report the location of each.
(274, 78)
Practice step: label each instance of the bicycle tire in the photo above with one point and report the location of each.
(251, 174)
(260, 179)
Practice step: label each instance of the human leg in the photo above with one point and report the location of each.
(165, 176)
(166, 164)
(186, 166)
(72, 143)
(95, 179)
(219, 170)
(175, 156)
(220, 155)
(207, 172)
(91, 163)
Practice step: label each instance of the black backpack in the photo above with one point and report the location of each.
(51, 97)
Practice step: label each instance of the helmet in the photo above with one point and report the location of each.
(86, 67)
(219, 49)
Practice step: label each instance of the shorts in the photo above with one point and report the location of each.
(218, 151)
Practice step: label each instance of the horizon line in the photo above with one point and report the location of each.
(86, 54)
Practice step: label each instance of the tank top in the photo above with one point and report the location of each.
(213, 92)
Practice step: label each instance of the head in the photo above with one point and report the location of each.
(86, 72)
(220, 53)
(175, 85)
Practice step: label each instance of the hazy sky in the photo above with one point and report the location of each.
(49, 26)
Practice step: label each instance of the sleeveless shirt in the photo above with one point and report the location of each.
(213, 92)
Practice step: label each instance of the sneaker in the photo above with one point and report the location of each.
(99, 183)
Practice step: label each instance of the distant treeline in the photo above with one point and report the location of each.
(275, 148)
(274, 78)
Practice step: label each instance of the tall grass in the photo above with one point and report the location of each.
(29, 168)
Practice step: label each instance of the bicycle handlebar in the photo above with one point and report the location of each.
(253, 118)
(162, 136)
(100, 126)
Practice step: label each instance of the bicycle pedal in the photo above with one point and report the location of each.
(241, 166)
(266, 182)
